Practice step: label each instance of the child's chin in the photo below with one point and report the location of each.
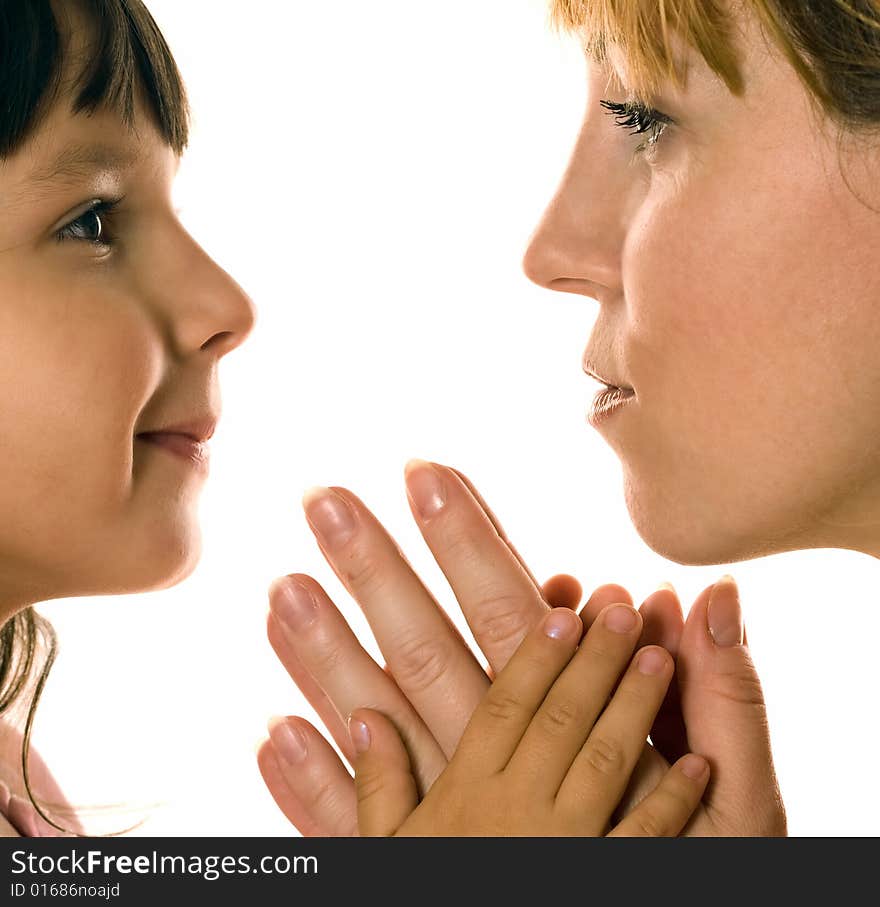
(179, 569)
(161, 564)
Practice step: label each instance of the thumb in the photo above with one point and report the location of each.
(723, 708)
(383, 779)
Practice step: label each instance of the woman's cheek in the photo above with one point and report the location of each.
(704, 426)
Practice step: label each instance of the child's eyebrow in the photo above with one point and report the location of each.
(78, 161)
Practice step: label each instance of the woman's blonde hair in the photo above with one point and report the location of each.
(833, 45)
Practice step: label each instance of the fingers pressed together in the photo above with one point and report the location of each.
(546, 752)
(432, 684)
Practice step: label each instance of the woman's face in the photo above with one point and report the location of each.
(739, 287)
(100, 341)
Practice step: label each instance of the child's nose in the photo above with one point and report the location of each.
(236, 317)
(207, 308)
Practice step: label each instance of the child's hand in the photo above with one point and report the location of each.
(546, 753)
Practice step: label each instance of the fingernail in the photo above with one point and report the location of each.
(559, 623)
(292, 603)
(621, 619)
(359, 733)
(693, 766)
(724, 614)
(668, 586)
(425, 487)
(651, 662)
(289, 741)
(329, 516)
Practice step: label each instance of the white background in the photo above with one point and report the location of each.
(370, 174)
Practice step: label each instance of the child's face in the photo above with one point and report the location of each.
(739, 286)
(97, 344)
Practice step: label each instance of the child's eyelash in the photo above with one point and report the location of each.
(639, 118)
(102, 211)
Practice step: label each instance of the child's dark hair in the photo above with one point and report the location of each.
(128, 51)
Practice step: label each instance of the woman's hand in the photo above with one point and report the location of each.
(548, 752)
(432, 682)
(429, 665)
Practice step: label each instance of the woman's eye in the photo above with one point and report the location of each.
(639, 118)
(90, 226)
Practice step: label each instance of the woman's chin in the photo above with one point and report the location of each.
(694, 536)
(695, 544)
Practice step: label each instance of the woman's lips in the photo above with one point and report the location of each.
(185, 447)
(607, 402)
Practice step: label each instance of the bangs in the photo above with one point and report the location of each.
(640, 32)
(126, 50)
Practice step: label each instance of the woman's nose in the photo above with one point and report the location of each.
(576, 246)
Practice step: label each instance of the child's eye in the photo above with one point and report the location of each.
(91, 225)
(639, 118)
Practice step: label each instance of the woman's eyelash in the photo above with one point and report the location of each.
(639, 118)
(98, 215)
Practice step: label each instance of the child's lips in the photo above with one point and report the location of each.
(184, 446)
